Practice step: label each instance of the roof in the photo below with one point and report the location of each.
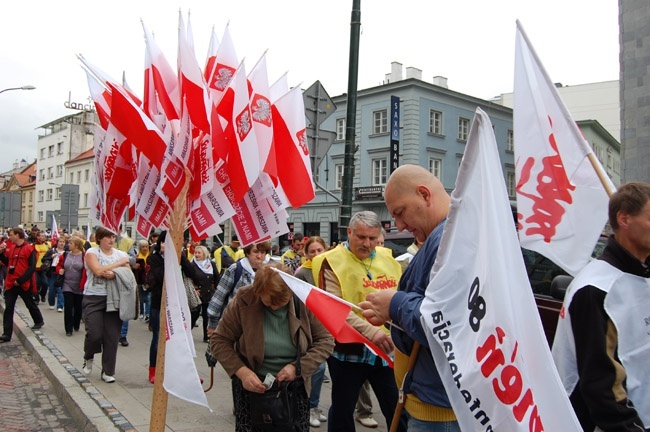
(85, 155)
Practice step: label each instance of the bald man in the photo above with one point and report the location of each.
(420, 204)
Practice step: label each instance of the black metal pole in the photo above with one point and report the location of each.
(350, 122)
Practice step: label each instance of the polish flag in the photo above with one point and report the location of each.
(226, 64)
(164, 78)
(290, 146)
(260, 104)
(332, 312)
(211, 58)
(55, 232)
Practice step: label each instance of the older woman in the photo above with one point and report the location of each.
(203, 273)
(236, 276)
(71, 267)
(102, 326)
(261, 334)
(140, 271)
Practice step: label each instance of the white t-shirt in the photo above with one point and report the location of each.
(96, 285)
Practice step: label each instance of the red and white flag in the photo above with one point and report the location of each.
(225, 65)
(479, 313)
(290, 147)
(55, 232)
(260, 103)
(181, 377)
(332, 312)
(160, 77)
(556, 183)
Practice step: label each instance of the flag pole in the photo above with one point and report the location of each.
(602, 176)
(176, 223)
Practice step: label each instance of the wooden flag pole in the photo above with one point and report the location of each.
(601, 175)
(160, 395)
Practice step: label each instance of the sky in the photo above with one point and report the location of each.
(471, 42)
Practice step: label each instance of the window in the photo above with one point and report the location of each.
(86, 200)
(463, 128)
(510, 184)
(78, 177)
(380, 122)
(340, 129)
(50, 151)
(379, 172)
(71, 177)
(59, 170)
(86, 175)
(435, 167)
(435, 122)
(43, 150)
(338, 176)
(39, 216)
(31, 196)
(510, 141)
(59, 148)
(41, 174)
(50, 172)
(58, 193)
(49, 194)
(41, 195)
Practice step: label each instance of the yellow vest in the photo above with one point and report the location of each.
(291, 255)
(41, 249)
(352, 273)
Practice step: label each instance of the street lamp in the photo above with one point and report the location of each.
(25, 87)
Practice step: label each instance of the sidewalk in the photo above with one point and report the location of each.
(126, 404)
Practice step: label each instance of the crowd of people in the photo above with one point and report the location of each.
(266, 339)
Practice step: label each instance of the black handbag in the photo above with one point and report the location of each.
(58, 281)
(276, 409)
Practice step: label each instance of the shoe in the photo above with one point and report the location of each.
(68, 333)
(124, 342)
(51, 307)
(5, 338)
(152, 374)
(38, 325)
(321, 417)
(108, 378)
(313, 417)
(368, 422)
(87, 367)
(59, 310)
(146, 318)
(326, 379)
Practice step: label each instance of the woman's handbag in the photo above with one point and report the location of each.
(58, 281)
(193, 299)
(277, 408)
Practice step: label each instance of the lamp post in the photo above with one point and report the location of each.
(25, 87)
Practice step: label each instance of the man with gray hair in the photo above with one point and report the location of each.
(351, 271)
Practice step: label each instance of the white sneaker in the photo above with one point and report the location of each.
(59, 310)
(321, 417)
(313, 417)
(87, 367)
(51, 307)
(108, 378)
(368, 422)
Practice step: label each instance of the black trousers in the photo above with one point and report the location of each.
(72, 311)
(11, 295)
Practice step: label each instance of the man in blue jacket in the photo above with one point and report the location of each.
(420, 204)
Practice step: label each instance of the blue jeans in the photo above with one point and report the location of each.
(145, 301)
(54, 295)
(155, 329)
(125, 329)
(347, 379)
(415, 425)
(316, 384)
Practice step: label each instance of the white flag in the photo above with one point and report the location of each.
(556, 184)
(479, 313)
(181, 377)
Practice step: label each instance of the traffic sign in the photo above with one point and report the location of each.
(318, 104)
(319, 145)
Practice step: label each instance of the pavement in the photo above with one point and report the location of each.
(126, 404)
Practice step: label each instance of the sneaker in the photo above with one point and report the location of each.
(313, 417)
(38, 325)
(146, 318)
(124, 342)
(59, 310)
(51, 307)
(108, 378)
(87, 367)
(368, 422)
(321, 417)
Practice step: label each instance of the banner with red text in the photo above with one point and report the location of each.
(479, 313)
(557, 187)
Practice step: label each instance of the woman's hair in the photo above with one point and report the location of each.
(204, 249)
(269, 283)
(142, 242)
(102, 232)
(262, 247)
(315, 239)
(77, 242)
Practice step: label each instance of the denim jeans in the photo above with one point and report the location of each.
(316, 384)
(125, 329)
(415, 425)
(54, 295)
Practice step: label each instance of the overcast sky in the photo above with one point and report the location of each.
(471, 42)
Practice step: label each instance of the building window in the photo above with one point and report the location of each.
(43, 150)
(86, 175)
(338, 176)
(58, 193)
(510, 141)
(50, 172)
(31, 196)
(50, 151)
(379, 172)
(71, 177)
(41, 174)
(463, 128)
(435, 122)
(41, 195)
(340, 129)
(39, 215)
(86, 200)
(49, 194)
(435, 167)
(511, 184)
(380, 122)
(59, 170)
(78, 177)
(59, 148)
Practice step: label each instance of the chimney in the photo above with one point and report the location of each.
(395, 71)
(413, 72)
(440, 81)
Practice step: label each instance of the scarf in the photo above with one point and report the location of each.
(205, 265)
